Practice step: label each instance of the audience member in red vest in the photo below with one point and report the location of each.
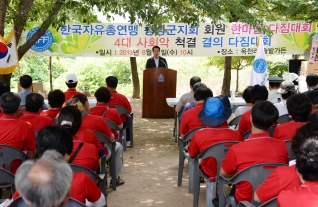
(258, 148)
(258, 93)
(307, 168)
(71, 82)
(103, 96)
(60, 139)
(97, 123)
(121, 100)
(190, 119)
(299, 107)
(87, 156)
(56, 99)
(33, 106)
(15, 132)
(4, 88)
(215, 113)
(284, 178)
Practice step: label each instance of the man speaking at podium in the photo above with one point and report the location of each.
(156, 61)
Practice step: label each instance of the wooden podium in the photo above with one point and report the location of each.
(158, 84)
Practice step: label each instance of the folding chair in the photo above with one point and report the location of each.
(8, 154)
(112, 125)
(121, 110)
(99, 179)
(218, 151)
(271, 131)
(103, 138)
(235, 122)
(7, 178)
(36, 132)
(19, 202)
(283, 119)
(247, 134)
(270, 203)
(255, 175)
(291, 154)
(235, 107)
(182, 155)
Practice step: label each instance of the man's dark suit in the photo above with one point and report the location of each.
(151, 63)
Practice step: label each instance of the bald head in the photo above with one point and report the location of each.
(45, 182)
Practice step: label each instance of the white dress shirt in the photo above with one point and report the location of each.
(156, 61)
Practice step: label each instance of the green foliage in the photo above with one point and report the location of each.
(238, 62)
(277, 68)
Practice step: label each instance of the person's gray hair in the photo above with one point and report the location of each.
(44, 182)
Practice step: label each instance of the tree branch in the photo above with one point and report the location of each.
(23, 13)
(45, 25)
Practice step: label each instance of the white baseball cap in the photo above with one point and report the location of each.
(71, 78)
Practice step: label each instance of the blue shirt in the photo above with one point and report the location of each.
(23, 93)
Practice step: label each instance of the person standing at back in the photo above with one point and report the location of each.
(25, 82)
(156, 61)
(71, 82)
(121, 100)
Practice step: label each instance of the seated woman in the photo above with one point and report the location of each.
(307, 168)
(87, 154)
(83, 188)
(83, 111)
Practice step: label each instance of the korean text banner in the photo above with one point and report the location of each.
(123, 40)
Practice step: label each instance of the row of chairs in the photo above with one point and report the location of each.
(218, 151)
(9, 153)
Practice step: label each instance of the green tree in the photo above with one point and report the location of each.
(277, 68)
(237, 63)
(153, 12)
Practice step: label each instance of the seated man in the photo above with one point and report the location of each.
(258, 93)
(26, 85)
(121, 100)
(215, 113)
(299, 107)
(287, 89)
(188, 97)
(4, 88)
(33, 106)
(283, 178)
(103, 96)
(274, 84)
(307, 168)
(14, 132)
(44, 182)
(247, 98)
(191, 104)
(258, 148)
(83, 188)
(190, 119)
(56, 99)
(312, 81)
(71, 82)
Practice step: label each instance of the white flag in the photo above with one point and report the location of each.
(259, 73)
(8, 54)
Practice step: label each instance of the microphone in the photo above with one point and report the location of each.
(164, 63)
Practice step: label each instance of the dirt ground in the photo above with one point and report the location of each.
(151, 167)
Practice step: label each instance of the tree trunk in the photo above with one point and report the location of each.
(6, 78)
(135, 78)
(3, 11)
(237, 80)
(227, 77)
